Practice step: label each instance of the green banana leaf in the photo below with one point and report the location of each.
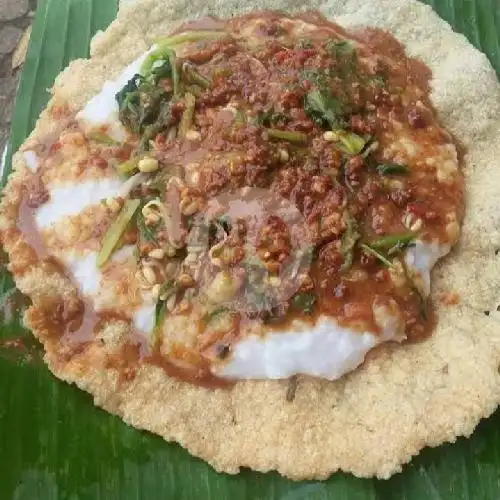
(55, 444)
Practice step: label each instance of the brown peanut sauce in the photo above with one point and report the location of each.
(339, 296)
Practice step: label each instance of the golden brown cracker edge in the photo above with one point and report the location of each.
(404, 397)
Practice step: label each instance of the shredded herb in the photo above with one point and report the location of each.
(271, 117)
(117, 228)
(147, 233)
(286, 135)
(380, 257)
(305, 302)
(348, 243)
(423, 304)
(393, 169)
(392, 242)
(324, 109)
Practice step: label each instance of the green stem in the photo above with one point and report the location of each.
(379, 256)
(192, 76)
(175, 72)
(115, 231)
(286, 135)
(388, 242)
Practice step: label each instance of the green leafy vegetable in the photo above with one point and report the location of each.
(116, 229)
(174, 71)
(144, 106)
(324, 109)
(305, 302)
(393, 169)
(192, 76)
(215, 313)
(348, 243)
(168, 289)
(375, 253)
(340, 48)
(346, 57)
(393, 243)
(423, 303)
(158, 64)
(349, 142)
(147, 233)
(378, 80)
(162, 122)
(286, 135)
(271, 117)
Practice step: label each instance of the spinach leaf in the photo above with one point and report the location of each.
(144, 106)
(129, 92)
(324, 109)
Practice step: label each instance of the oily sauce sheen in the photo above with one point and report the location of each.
(338, 124)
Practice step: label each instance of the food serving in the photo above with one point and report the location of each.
(228, 238)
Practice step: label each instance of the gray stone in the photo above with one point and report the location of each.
(13, 9)
(9, 38)
(8, 87)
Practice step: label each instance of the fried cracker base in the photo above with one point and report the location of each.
(403, 398)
